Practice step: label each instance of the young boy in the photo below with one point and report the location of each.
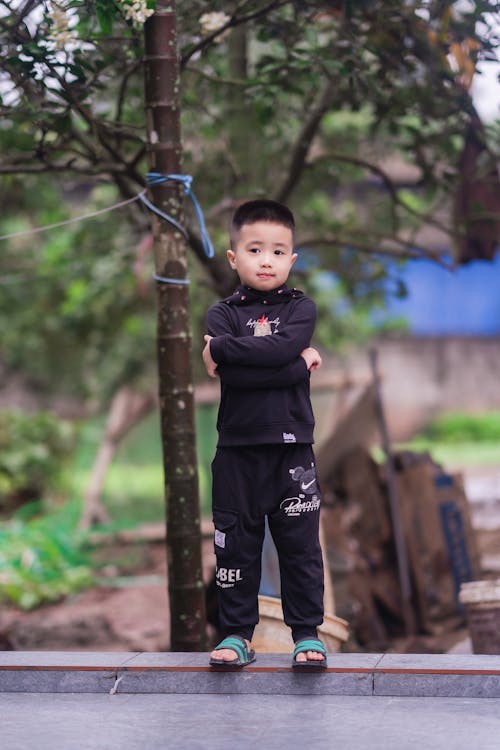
(258, 344)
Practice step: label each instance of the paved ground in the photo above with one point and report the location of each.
(237, 722)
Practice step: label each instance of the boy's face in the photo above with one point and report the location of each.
(263, 255)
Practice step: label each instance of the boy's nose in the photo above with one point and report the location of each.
(265, 260)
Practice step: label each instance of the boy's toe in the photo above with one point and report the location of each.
(224, 654)
(309, 651)
(315, 656)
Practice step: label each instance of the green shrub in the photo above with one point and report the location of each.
(41, 558)
(457, 427)
(34, 449)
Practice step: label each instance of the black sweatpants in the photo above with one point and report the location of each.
(250, 483)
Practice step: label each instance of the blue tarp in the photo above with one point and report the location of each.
(465, 302)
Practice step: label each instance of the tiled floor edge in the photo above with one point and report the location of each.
(128, 662)
(379, 660)
(375, 675)
(438, 664)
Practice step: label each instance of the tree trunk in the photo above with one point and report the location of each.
(162, 104)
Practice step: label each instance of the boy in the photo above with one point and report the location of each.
(258, 344)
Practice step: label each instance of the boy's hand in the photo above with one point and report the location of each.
(207, 358)
(312, 358)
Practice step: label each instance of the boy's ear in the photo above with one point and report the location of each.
(231, 259)
(294, 258)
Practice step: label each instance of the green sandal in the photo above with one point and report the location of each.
(244, 654)
(309, 644)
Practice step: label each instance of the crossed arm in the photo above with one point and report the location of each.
(310, 356)
(274, 361)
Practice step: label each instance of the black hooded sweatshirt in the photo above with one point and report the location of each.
(258, 339)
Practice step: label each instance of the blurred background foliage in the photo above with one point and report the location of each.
(42, 556)
(34, 450)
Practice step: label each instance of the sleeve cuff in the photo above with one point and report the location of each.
(217, 348)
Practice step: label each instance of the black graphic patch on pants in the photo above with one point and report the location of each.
(307, 498)
(280, 482)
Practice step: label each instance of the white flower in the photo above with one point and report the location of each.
(135, 11)
(211, 22)
(60, 31)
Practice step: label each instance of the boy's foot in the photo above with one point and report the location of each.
(233, 651)
(309, 652)
(309, 656)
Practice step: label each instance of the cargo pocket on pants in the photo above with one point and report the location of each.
(225, 522)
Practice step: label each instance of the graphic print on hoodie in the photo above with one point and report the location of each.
(257, 341)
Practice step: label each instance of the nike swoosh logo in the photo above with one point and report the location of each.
(306, 486)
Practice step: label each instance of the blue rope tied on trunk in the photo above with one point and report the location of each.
(156, 178)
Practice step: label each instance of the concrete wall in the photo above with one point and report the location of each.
(423, 377)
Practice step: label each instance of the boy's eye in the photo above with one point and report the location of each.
(279, 252)
(255, 250)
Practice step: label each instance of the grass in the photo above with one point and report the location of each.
(461, 428)
(132, 494)
(460, 440)
(133, 489)
(453, 455)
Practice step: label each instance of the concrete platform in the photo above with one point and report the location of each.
(172, 701)
(403, 675)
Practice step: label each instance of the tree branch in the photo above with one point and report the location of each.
(406, 249)
(233, 21)
(97, 127)
(123, 89)
(304, 141)
(391, 189)
(19, 16)
(215, 78)
(222, 279)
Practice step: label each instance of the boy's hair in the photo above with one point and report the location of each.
(260, 210)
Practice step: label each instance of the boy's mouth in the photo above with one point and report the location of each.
(265, 275)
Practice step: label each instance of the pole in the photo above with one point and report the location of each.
(183, 538)
(397, 526)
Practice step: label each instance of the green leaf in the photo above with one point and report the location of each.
(106, 12)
